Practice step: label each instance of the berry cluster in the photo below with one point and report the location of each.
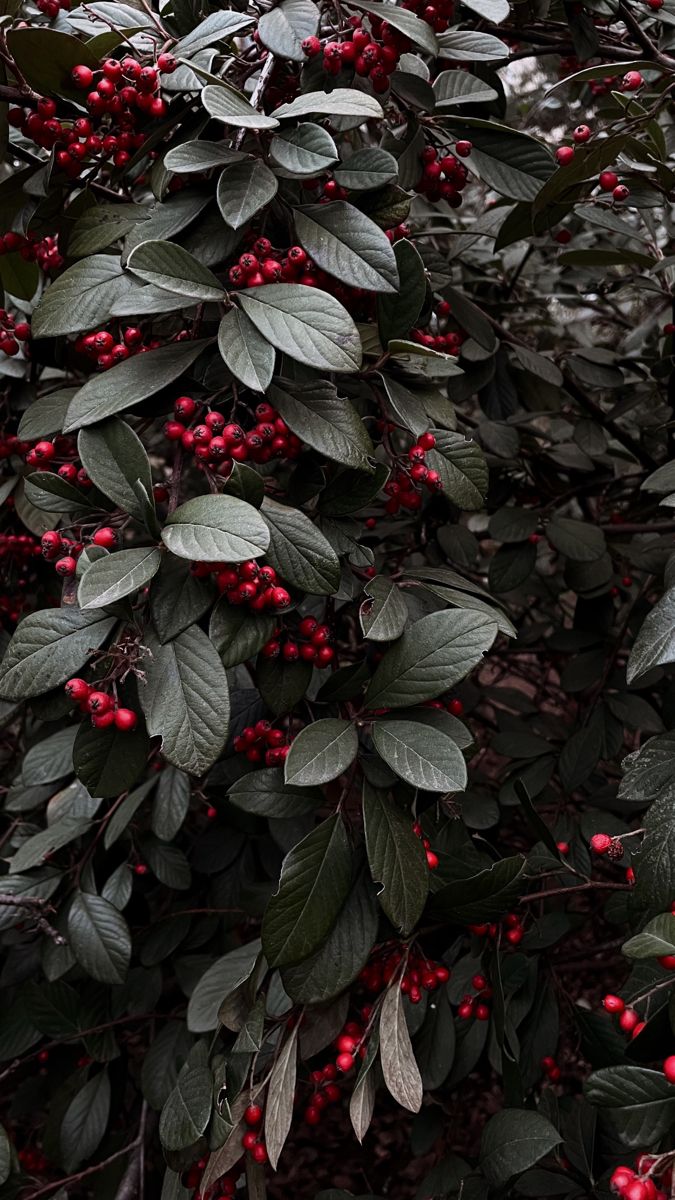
(263, 743)
(34, 1162)
(475, 1008)
(454, 707)
(403, 490)
(64, 551)
(550, 1068)
(12, 333)
(420, 974)
(432, 859)
(635, 1185)
(224, 1189)
(629, 1019)
(371, 54)
(246, 583)
(102, 708)
(106, 350)
(608, 181)
(443, 338)
(512, 927)
(325, 1091)
(444, 178)
(314, 649)
(52, 8)
(252, 1140)
(44, 251)
(217, 443)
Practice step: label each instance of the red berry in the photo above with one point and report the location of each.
(463, 149)
(125, 719)
(631, 81)
(608, 180)
(105, 537)
(600, 843)
(456, 708)
(581, 134)
(66, 566)
(564, 155)
(311, 47)
(620, 192)
(669, 1068)
(612, 1003)
(77, 690)
(253, 1115)
(345, 1062)
(82, 77)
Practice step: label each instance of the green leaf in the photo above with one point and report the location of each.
(422, 756)
(435, 1043)
(325, 421)
(244, 188)
(306, 150)
(384, 614)
(171, 267)
(49, 760)
(461, 465)
(406, 22)
(46, 57)
(5, 1157)
(306, 324)
(345, 243)
(481, 897)
(362, 1101)
(398, 313)
(215, 27)
(219, 981)
(85, 1120)
(188, 1108)
(37, 848)
(513, 163)
(45, 415)
(109, 761)
(171, 804)
(102, 225)
(465, 45)
(315, 880)
(492, 10)
(237, 633)
(577, 540)
(283, 29)
(321, 752)
(48, 647)
(396, 858)
(400, 1071)
(299, 551)
(99, 938)
(656, 939)
(49, 493)
(350, 490)
(130, 382)
(115, 460)
(511, 566)
(432, 655)
(366, 169)
(82, 297)
(216, 529)
(200, 156)
(265, 794)
(117, 575)
(282, 684)
(454, 88)
(514, 1140)
(325, 974)
(341, 102)
(178, 598)
(654, 645)
(245, 352)
(281, 1088)
(186, 700)
(226, 105)
(640, 1103)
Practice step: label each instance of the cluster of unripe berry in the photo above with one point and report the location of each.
(447, 340)
(311, 643)
(371, 54)
(102, 708)
(432, 859)
(403, 490)
(325, 1091)
(64, 551)
(476, 1008)
(12, 333)
(103, 348)
(420, 974)
(217, 442)
(44, 251)
(263, 743)
(246, 583)
(252, 1140)
(446, 177)
(638, 1185)
(512, 929)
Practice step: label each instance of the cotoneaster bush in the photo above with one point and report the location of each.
(338, 598)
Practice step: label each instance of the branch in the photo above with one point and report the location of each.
(643, 39)
(577, 887)
(36, 905)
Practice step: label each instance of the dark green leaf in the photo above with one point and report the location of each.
(424, 757)
(396, 858)
(326, 421)
(514, 1140)
(49, 647)
(299, 551)
(186, 700)
(284, 28)
(305, 323)
(117, 575)
(244, 188)
(320, 752)
(431, 656)
(344, 242)
(99, 938)
(129, 382)
(85, 1120)
(246, 353)
(400, 1071)
(216, 529)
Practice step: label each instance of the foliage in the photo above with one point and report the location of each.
(336, 687)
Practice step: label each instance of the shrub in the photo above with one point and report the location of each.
(337, 358)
